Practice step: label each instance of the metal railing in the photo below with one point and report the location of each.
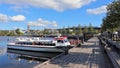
(112, 49)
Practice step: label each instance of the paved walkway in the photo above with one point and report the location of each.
(88, 55)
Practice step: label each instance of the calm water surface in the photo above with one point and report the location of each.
(20, 59)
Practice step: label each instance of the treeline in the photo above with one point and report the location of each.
(77, 30)
(111, 21)
(16, 32)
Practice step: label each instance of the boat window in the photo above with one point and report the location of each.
(66, 40)
(59, 41)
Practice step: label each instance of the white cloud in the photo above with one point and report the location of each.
(41, 22)
(3, 18)
(6, 18)
(98, 10)
(31, 23)
(59, 5)
(54, 24)
(19, 8)
(18, 18)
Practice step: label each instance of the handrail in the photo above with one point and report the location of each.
(111, 43)
(114, 55)
(114, 44)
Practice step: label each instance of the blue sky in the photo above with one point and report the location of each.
(41, 14)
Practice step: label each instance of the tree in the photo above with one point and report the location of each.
(96, 31)
(91, 28)
(112, 19)
(45, 31)
(18, 32)
(60, 31)
(74, 30)
(11, 33)
(68, 31)
(63, 30)
(3, 32)
(79, 32)
(85, 29)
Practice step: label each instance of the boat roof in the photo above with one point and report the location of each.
(60, 38)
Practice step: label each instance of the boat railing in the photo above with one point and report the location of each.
(28, 39)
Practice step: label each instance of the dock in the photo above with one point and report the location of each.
(88, 55)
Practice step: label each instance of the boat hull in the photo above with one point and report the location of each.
(32, 54)
(37, 48)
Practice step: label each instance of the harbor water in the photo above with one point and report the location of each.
(20, 59)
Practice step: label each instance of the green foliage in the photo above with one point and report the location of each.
(60, 31)
(3, 33)
(63, 30)
(68, 31)
(96, 31)
(112, 19)
(7, 33)
(91, 30)
(11, 33)
(18, 32)
(74, 31)
(79, 32)
(85, 29)
(45, 31)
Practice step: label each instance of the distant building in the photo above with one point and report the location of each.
(76, 28)
(51, 31)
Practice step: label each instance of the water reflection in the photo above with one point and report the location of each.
(27, 58)
(20, 59)
(3, 50)
(32, 54)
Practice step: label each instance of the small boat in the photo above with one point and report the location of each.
(57, 44)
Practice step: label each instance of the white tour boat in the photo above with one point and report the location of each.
(57, 44)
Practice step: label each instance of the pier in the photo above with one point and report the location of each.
(89, 55)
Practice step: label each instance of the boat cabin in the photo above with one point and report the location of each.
(61, 41)
(57, 41)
